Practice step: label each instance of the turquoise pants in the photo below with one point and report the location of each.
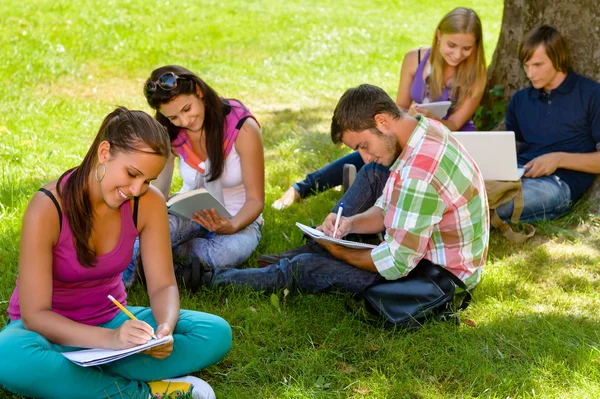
(33, 366)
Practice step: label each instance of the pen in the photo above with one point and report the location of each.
(337, 218)
(127, 312)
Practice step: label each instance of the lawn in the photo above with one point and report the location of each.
(64, 65)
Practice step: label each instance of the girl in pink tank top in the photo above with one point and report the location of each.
(218, 143)
(77, 239)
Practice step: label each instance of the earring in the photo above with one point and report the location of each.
(99, 179)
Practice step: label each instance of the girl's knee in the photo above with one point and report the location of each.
(209, 335)
(20, 346)
(222, 335)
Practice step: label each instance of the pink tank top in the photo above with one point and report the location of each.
(80, 293)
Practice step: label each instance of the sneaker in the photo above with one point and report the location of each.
(287, 199)
(175, 387)
(349, 176)
(270, 259)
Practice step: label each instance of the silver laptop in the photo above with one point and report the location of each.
(495, 153)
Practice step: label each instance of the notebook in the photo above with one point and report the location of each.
(439, 109)
(184, 205)
(495, 153)
(316, 234)
(94, 357)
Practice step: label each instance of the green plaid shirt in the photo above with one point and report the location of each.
(435, 207)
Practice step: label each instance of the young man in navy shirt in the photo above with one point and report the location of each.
(557, 120)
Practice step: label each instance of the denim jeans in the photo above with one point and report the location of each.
(545, 198)
(189, 239)
(317, 270)
(328, 176)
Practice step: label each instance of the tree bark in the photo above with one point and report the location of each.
(579, 23)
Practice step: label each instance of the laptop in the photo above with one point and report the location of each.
(495, 153)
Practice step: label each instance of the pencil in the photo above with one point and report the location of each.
(127, 312)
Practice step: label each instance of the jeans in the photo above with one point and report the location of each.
(317, 270)
(328, 176)
(34, 367)
(544, 198)
(189, 239)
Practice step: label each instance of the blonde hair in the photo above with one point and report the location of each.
(470, 75)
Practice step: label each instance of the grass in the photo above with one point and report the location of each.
(65, 65)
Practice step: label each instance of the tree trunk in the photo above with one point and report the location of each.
(579, 23)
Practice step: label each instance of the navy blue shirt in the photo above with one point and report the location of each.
(566, 120)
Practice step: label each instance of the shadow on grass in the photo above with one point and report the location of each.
(280, 123)
(297, 142)
(311, 346)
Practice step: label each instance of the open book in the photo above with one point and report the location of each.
(319, 235)
(184, 205)
(94, 357)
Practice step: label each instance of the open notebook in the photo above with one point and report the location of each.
(319, 235)
(94, 357)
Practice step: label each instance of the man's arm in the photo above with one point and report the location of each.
(360, 258)
(589, 162)
(417, 208)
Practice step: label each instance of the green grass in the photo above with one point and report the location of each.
(65, 65)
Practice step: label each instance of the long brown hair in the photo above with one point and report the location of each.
(470, 75)
(215, 111)
(126, 131)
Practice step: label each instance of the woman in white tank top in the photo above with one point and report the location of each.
(219, 147)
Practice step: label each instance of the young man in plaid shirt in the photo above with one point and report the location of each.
(431, 204)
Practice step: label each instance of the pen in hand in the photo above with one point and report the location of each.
(337, 218)
(127, 312)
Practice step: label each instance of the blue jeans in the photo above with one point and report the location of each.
(38, 369)
(189, 239)
(328, 176)
(317, 270)
(544, 198)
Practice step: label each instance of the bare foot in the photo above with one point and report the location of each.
(287, 199)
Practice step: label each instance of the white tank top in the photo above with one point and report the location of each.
(234, 192)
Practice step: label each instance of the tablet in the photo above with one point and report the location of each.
(438, 109)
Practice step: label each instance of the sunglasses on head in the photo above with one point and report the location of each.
(167, 81)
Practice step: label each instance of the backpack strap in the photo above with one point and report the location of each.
(419, 55)
(53, 198)
(501, 192)
(467, 299)
(236, 116)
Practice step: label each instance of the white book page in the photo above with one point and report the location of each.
(319, 235)
(92, 357)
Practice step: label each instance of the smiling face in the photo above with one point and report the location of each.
(128, 174)
(456, 47)
(380, 148)
(541, 72)
(185, 111)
